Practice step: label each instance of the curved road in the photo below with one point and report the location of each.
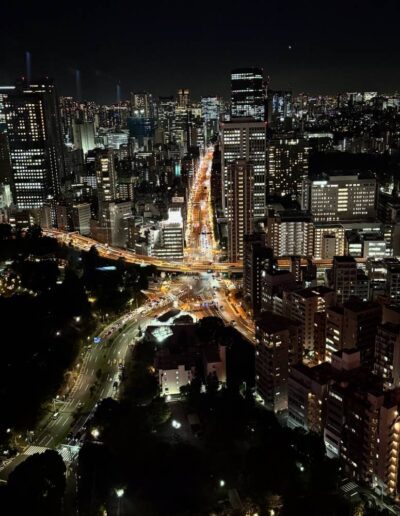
(98, 363)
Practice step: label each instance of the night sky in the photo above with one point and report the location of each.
(160, 46)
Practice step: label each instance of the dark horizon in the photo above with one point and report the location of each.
(168, 45)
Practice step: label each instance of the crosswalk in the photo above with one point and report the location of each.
(31, 450)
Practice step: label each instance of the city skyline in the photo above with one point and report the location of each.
(200, 259)
(303, 49)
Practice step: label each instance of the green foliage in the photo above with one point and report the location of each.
(36, 486)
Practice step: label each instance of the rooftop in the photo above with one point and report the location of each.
(344, 259)
(270, 322)
(314, 291)
(355, 304)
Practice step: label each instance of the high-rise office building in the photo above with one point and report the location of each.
(280, 108)
(69, 112)
(341, 198)
(35, 142)
(257, 258)
(210, 108)
(247, 93)
(106, 180)
(240, 210)
(4, 91)
(183, 97)
(5, 166)
(210, 113)
(287, 165)
(245, 139)
(118, 214)
(83, 136)
(142, 105)
(5, 196)
(166, 118)
(81, 218)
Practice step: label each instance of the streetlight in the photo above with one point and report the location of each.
(96, 433)
(120, 493)
(221, 483)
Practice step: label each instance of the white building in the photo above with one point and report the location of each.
(173, 377)
(170, 244)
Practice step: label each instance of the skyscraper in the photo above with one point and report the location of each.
(83, 134)
(142, 105)
(247, 93)
(245, 139)
(210, 112)
(166, 118)
(279, 106)
(183, 121)
(4, 91)
(106, 180)
(183, 98)
(239, 207)
(35, 140)
(287, 165)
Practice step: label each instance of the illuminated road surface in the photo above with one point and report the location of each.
(208, 295)
(200, 240)
(191, 266)
(104, 356)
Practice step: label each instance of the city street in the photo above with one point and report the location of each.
(97, 372)
(201, 290)
(200, 241)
